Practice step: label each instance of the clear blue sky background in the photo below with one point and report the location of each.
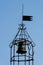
(11, 16)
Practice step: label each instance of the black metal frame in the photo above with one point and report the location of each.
(22, 35)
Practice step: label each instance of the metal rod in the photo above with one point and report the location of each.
(21, 56)
(14, 54)
(25, 60)
(22, 60)
(25, 53)
(22, 12)
(18, 59)
(32, 56)
(29, 54)
(11, 56)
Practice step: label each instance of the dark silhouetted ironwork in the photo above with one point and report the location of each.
(22, 46)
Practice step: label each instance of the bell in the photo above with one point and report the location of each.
(21, 48)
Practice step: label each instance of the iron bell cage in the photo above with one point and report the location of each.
(22, 48)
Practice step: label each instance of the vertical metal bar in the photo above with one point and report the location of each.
(25, 59)
(25, 53)
(18, 58)
(29, 54)
(32, 56)
(14, 54)
(10, 55)
(22, 12)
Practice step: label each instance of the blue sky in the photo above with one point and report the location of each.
(11, 16)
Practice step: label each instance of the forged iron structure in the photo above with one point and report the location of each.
(22, 48)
